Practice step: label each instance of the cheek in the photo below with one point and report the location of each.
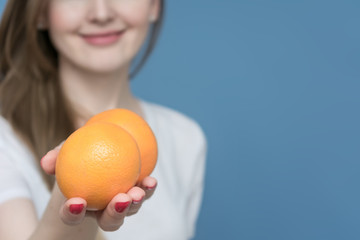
(136, 15)
(63, 18)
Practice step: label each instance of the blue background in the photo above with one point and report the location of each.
(275, 86)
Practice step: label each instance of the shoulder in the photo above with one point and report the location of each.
(175, 123)
(7, 133)
(14, 164)
(11, 145)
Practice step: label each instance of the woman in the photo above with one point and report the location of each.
(62, 61)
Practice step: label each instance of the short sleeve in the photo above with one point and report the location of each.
(12, 183)
(197, 182)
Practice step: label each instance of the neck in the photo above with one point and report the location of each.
(90, 93)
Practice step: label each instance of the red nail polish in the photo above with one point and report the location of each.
(121, 206)
(76, 208)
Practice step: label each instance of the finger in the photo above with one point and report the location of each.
(48, 161)
(149, 185)
(113, 215)
(137, 195)
(73, 211)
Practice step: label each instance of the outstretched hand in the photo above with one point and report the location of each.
(73, 210)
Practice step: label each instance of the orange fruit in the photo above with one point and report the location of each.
(96, 162)
(141, 132)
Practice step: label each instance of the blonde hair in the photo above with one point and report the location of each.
(31, 98)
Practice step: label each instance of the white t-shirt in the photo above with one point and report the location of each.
(172, 211)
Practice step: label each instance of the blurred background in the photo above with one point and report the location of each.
(275, 86)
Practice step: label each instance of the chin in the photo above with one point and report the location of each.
(104, 67)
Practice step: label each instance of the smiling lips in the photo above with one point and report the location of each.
(103, 39)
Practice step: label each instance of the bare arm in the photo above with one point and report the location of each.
(51, 225)
(18, 219)
(11, 225)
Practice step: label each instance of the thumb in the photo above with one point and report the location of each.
(48, 161)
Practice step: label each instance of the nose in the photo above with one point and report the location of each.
(101, 11)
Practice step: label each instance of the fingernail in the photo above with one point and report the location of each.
(151, 188)
(138, 201)
(76, 208)
(121, 206)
